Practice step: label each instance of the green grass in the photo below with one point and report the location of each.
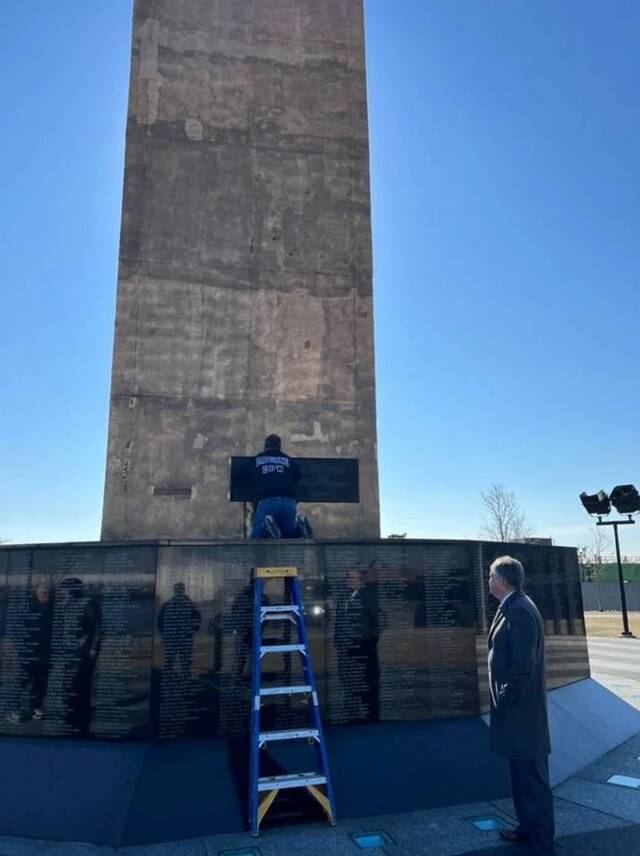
(610, 623)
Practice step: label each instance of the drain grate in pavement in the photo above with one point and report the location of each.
(369, 840)
(487, 824)
(624, 781)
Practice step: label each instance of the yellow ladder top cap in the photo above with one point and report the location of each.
(276, 572)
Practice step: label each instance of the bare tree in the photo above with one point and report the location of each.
(505, 520)
(593, 556)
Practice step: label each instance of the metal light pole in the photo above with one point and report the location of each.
(623, 594)
(626, 500)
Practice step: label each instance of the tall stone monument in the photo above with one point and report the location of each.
(244, 300)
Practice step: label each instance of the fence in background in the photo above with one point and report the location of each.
(599, 597)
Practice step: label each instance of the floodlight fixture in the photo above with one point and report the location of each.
(626, 499)
(596, 503)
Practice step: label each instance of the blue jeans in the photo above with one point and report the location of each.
(283, 511)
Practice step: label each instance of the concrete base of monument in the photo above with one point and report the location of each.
(131, 794)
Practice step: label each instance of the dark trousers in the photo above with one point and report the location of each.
(283, 511)
(533, 801)
(38, 673)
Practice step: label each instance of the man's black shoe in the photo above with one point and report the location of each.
(271, 527)
(514, 836)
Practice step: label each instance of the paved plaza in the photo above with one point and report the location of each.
(594, 817)
(615, 663)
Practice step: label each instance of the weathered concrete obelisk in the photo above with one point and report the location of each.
(245, 281)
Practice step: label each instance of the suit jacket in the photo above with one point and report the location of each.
(519, 726)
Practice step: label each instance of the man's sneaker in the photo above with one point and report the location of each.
(271, 527)
(304, 527)
(13, 718)
(37, 714)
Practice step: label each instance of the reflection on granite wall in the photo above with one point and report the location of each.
(76, 646)
(152, 641)
(553, 582)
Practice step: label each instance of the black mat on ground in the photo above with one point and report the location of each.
(185, 790)
(67, 790)
(407, 766)
(144, 794)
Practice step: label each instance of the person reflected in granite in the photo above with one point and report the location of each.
(79, 647)
(215, 628)
(40, 619)
(178, 621)
(33, 653)
(242, 624)
(356, 635)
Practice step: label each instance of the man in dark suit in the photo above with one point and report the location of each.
(519, 727)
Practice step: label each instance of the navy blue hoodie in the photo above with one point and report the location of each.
(275, 474)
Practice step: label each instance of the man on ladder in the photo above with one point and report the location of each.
(275, 475)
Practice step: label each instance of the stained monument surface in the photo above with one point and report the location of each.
(245, 279)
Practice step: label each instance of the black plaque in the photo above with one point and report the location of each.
(186, 642)
(401, 638)
(352, 635)
(127, 642)
(77, 642)
(20, 672)
(449, 612)
(322, 480)
(567, 652)
(27, 645)
(552, 581)
(203, 638)
(123, 671)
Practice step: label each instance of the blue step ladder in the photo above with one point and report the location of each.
(264, 790)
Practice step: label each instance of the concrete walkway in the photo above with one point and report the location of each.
(594, 817)
(615, 663)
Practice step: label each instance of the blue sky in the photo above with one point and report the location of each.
(505, 164)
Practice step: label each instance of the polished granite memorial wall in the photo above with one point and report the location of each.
(152, 641)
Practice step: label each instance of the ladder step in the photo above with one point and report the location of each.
(282, 649)
(296, 780)
(292, 690)
(300, 734)
(280, 616)
(274, 610)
